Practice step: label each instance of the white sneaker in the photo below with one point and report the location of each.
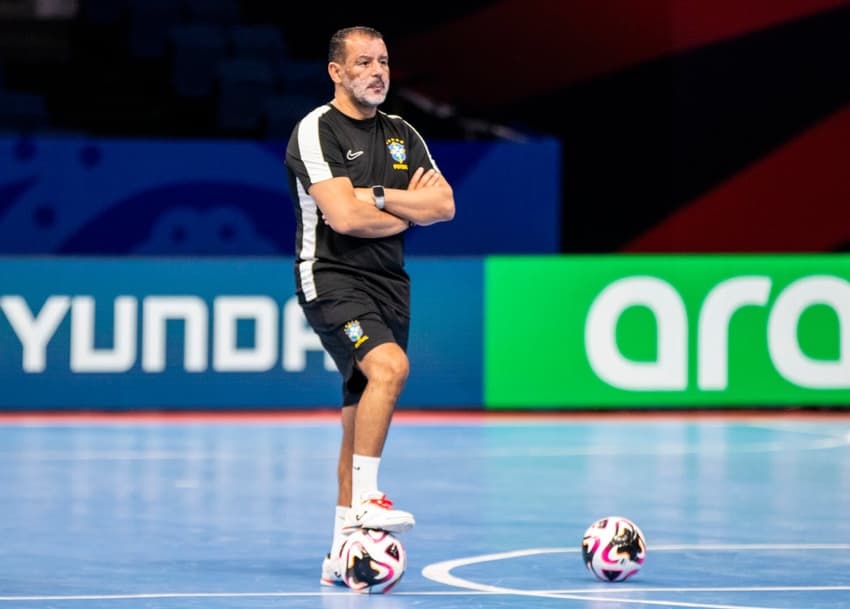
(332, 571)
(375, 511)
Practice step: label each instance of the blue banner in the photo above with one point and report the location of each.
(178, 333)
(72, 196)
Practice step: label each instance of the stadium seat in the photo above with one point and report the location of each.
(260, 41)
(23, 112)
(281, 112)
(243, 87)
(104, 12)
(150, 26)
(305, 77)
(197, 50)
(216, 12)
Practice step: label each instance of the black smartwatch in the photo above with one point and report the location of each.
(378, 193)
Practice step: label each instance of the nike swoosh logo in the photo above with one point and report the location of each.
(353, 155)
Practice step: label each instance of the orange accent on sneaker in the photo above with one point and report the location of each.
(381, 502)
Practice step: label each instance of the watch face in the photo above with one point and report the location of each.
(378, 193)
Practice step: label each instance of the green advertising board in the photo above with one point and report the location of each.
(667, 330)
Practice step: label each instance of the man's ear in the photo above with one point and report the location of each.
(335, 71)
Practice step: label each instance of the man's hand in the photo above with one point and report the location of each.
(423, 179)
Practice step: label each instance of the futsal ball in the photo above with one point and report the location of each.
(613, 549)
(373, 560)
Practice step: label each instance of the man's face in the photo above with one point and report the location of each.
(366, 71)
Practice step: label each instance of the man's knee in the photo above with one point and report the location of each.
(386, 363)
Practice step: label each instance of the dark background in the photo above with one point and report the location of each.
(684, 126)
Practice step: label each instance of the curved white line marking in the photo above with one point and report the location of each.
(441, 573)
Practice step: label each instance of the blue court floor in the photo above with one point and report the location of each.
(739, 512)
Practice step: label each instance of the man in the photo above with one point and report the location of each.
(359, 179)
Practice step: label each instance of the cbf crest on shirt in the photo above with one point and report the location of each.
(398, 152)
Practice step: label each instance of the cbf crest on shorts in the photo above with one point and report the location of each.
(354, 332)
(398, 152)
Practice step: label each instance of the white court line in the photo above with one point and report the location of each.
(441, 572)
(497, 591)
(710, 589)
(158, 595)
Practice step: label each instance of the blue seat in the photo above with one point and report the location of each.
(23, 112)
(259, 41)
(281, 112)
(104, 12)
(216, 12)
(150, 26)
(243, 87)
(197, 50)
(305, 77)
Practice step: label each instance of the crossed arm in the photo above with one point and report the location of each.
(428, 199)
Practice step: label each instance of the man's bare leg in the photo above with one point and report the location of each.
(346, 450)
(386, 368)
(332, 565)
(365, 425)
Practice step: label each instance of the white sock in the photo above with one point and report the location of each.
(339, 520)
(364, 478)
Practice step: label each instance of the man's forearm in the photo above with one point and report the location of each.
(424, 206)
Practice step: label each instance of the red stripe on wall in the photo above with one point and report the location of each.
(797, 199)
(517, 49)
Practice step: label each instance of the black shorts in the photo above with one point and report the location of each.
(351, 323)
